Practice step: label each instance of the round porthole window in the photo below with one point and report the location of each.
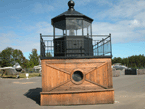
(77, 76)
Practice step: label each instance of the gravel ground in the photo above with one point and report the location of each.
(25, 94)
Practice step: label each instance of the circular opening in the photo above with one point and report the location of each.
(77, 76)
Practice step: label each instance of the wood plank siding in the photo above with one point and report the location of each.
(59, 88)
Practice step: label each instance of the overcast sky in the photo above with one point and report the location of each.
(22, 21)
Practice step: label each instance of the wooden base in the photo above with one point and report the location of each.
(105, 96)
(59, 87)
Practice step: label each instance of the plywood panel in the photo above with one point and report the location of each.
(86, 67)
(77, 98)
(73, 87)
(99, 75)
(110, 82)
(44, 75)
(54, 78)
(105, 75)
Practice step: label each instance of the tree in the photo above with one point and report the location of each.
(48, 54)
(34, 58)
(0, 59)
(132, 61)
(25, 63)
(18, 56)
(116, 60)
(7, 57)
(125, 61)
(10, 56)
(31, 64)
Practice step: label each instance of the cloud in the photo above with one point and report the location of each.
(40, 27)
(123, 9)
(82, 2)
(135, 23)
(140, 17)
(16, 18)
(7, 39)
(28, 42)
(42, 8)
(122, 32)
(125, 21)
(44, 27)
(98, 2)
(11, 39)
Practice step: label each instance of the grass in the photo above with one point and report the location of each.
(22, 75)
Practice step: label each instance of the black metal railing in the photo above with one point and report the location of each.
(103, 47)
(76, 46)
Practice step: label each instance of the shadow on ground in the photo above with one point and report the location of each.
(34, 94)
(9, 77)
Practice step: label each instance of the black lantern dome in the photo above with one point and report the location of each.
(71, 20)
(73, 25)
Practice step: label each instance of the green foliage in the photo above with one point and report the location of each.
(132, 61)
(25, 63)
(34, 58)
(48, 54)
(9, 56)
(117, 60)
(18, 56)
(22, 75)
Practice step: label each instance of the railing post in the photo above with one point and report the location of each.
(40, 46)
(110, 44)
(91, 30)
(81, 50)
(97, 50)
(65, 45)
(44, 49)
(87, 32)
(82, 28)
(103, 46)
(63, 32)
(89, 47)
(53, 33)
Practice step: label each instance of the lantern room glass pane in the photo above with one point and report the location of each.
(74, 27)
(58, 31)
(74, 24)
(86, 24)
(86, 27)
(79, 32)
(71, 32)
(87, 31)
(60, 24)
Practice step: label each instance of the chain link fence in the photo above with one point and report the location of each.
(31, 70)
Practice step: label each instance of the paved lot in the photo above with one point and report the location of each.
(24, 94)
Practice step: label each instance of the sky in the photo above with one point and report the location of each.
(22, 21)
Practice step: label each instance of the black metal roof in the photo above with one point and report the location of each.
(70, 13)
